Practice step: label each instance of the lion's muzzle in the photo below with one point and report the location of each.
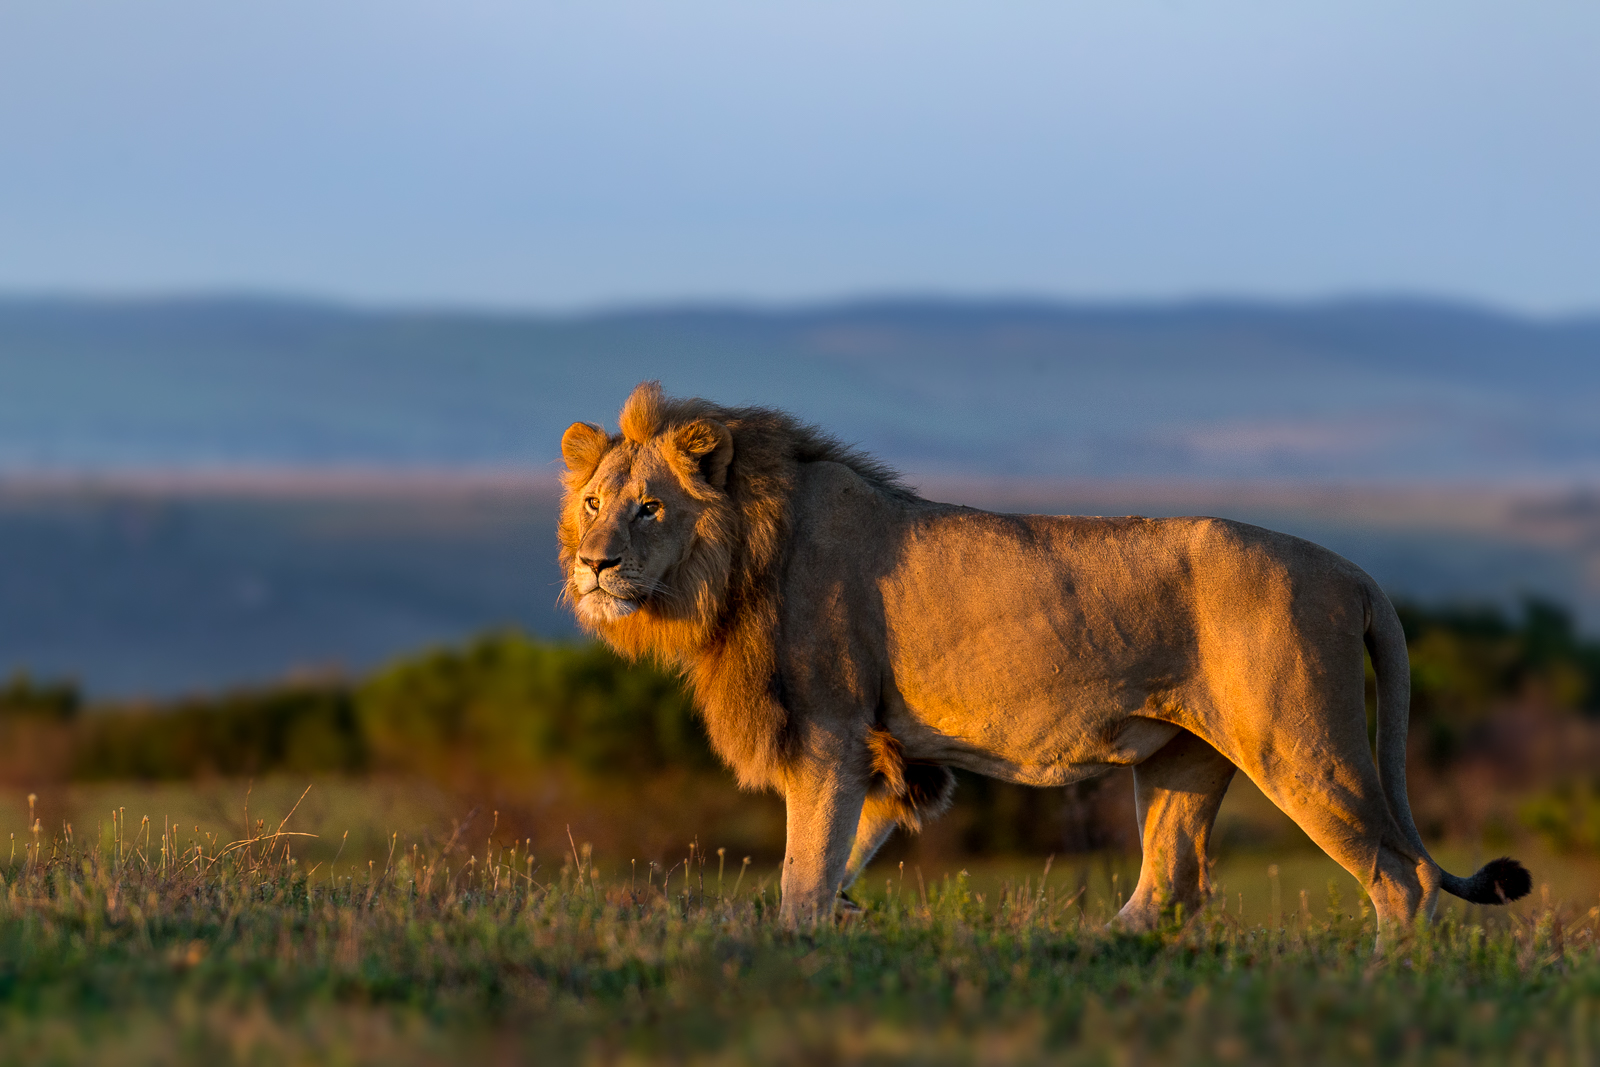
(594, 601)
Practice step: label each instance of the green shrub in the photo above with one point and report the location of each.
(504, 705)
(1467, 662)
(1567, 817)
(23, 698)
(304, 728)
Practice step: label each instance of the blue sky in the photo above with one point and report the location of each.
(560, 155)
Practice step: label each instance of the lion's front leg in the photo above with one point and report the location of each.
(824, 809)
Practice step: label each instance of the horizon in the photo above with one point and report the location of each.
(801, 306)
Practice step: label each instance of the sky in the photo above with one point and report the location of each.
(570, 155)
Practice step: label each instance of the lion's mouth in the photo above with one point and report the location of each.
(601, 605)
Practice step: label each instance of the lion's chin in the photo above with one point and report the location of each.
(599, 606)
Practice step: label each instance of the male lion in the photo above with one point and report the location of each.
(848, 642)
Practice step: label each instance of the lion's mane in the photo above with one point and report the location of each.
(718, 620)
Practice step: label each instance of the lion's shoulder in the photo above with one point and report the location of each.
(837, 510)
(828, 485)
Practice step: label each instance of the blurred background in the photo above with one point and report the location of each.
(296, 300)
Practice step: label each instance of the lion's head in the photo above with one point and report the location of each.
(647, 524)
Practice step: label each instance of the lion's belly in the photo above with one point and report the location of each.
(1071, 749)
(1050, 737)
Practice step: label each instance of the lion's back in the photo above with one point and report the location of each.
(844, 524)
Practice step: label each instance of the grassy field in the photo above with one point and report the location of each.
(149, 942)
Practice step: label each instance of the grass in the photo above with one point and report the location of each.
(142, 943)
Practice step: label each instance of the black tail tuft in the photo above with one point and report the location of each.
(1498, 882)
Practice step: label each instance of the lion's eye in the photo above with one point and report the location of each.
(648, 508)
(592, 503)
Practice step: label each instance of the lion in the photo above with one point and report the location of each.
(848, 642)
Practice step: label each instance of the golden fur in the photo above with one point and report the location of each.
(905, 792)
(849, 642)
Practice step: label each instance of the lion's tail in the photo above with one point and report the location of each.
(1498, 881)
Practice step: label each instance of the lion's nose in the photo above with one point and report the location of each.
(598, 565)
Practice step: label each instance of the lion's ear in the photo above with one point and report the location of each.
(582, 446)
(709, 447)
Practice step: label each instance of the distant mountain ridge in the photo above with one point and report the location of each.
(1354, 390)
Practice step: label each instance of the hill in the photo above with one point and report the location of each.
(1341, 391)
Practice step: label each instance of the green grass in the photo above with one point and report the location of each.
(128, 945)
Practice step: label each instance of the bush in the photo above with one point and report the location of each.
(1467, 662)
(36, 729)
(304, 728)
(505, 705)
(23, 698)
(494, 710)
(1567, 817)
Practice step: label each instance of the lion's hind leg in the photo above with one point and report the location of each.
(903, 794)
(1177, 792)
(879, 817)
(1322, 776)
